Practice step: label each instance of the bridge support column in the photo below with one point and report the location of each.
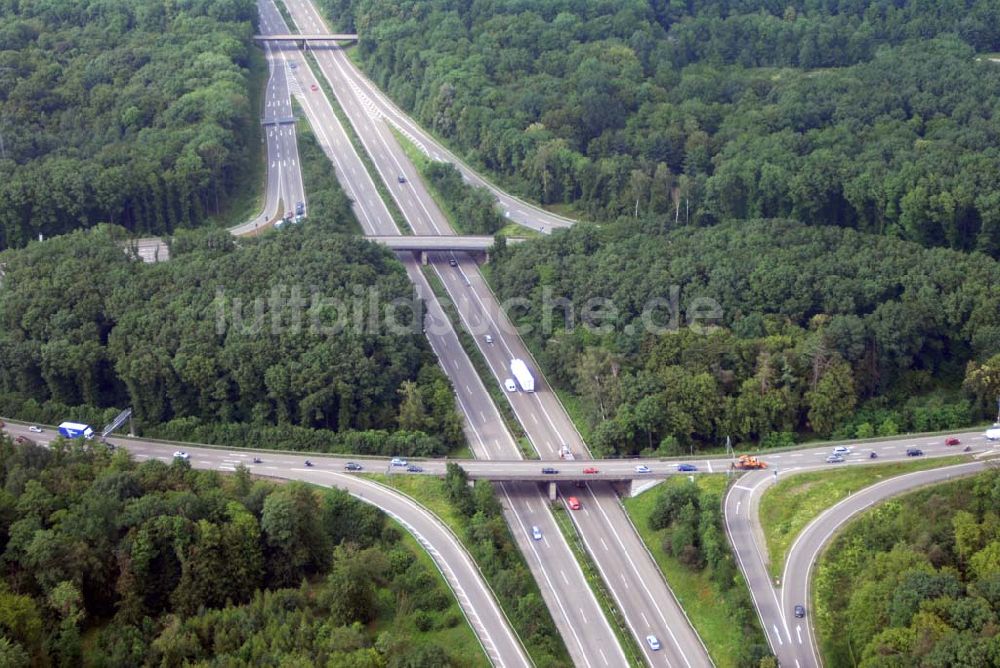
(424, 258)
(552, 491)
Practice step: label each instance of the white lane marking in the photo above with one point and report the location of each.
(777, 635)
(645, 620)
(563, 574)
(604, 545)
(798, 632)
(583, 616)
(624, 580)
(710, 466)
(738, 507)
(747, 489)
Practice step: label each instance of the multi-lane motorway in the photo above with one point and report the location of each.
(636, 583)
(792, 639)
(551, 560)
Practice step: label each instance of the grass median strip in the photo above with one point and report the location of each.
(599, 587)
(480, 365)
(787, 507)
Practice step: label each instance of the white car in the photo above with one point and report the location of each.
(653, 642)
(841, 450)
(509, 384)
(993, 433)
(180, 454)
(536, 533)
(489, 339)
(642, 468)
(35, 430)
(398, 461)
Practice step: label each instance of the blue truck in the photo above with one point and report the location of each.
(75, 430)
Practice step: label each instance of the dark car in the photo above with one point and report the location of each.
(800, 611)
(453, 262)
(687, 467)
(351, 466)
(914, 452)
(401, 178)
(413, 468)
(300, 208)
(314, 87)
(549, 470)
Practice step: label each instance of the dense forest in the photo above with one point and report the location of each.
(110, 563)
(226, 341)
(133, 112)
(812, 329)
(916, 581)
(872, 114)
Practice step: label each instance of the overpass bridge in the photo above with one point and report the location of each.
(301, 39)
(443, 243)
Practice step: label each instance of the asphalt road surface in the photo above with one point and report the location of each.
(791, 639)
(560, 579)
(473, 593)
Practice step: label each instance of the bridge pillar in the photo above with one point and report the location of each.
(423, 258)
(552, 491)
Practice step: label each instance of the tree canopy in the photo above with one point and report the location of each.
(873, 115)
(916, 581)
(802, 326)
(164, 565)
(135, 113)
(227, 340)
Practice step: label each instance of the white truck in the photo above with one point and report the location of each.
(993, 433)
(524, 378)
(76, 430)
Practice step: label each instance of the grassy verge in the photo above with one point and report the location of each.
(599, 587)
(509, 577)
(787, 507)
(461, 642)
(480, 365)
(359, 148)
(709, 609)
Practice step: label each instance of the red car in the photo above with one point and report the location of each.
(314, 87)
(952, 441)
(590, 469)
(574, 503)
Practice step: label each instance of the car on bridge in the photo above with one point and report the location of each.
(574, 503)
(642, 468)
(687, 467)
(352, 466)
(548, 470)
(590, 470)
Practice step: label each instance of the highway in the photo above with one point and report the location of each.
(474, 595)
(633, 577)
(380, 106)
(284, 186)
(792, 640)
(561, 581)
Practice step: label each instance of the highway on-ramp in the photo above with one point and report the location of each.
(791, 639)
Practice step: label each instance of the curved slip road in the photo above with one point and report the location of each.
(792, 640)
(474, 595)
